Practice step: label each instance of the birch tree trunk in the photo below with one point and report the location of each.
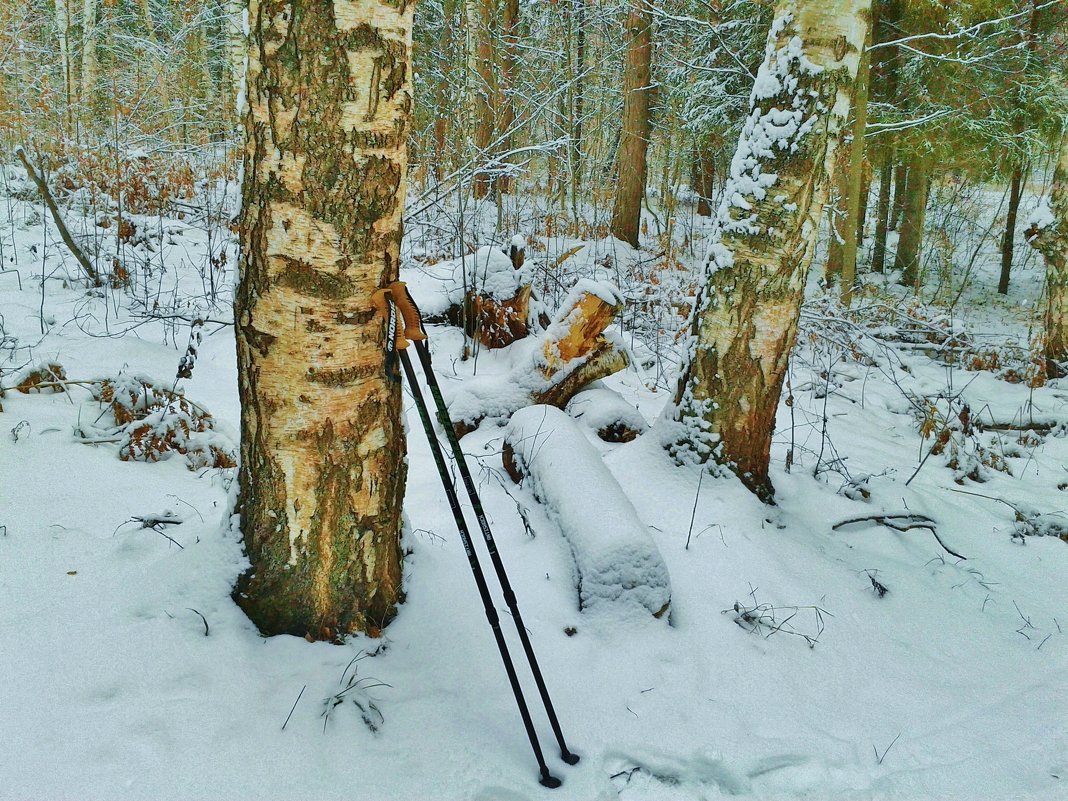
(634, 140)
(1051, 238)
(63, 25)
(236, 45)
(89, 58)
(745, 317)
(322, 445)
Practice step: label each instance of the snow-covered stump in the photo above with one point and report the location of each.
(607, 413)
(487, 293)
(616, 560)
(573, 351)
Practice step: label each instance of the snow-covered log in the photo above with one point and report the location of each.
(573, 351)
(616, 560)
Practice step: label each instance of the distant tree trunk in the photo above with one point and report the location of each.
(1052, 240)
(1009, 237)
(322, 441)
(901, 172)
(634, 139)
(63, 26)
(89, 57)
(163, 84)
(910, 243)
(441, 91)
(483, 89)
(837, 210)
(853, 219)
(745, 317)
(509, 66)
(882, 212)
(702, 176)
(236, 46)
(579, 101)
(862, 211)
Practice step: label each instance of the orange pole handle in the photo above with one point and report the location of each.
(380, 299)
(413, 324)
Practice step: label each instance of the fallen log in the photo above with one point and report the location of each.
(616, 560)
(573, 351)
(68, 240)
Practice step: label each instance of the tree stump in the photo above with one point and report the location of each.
(573, 351)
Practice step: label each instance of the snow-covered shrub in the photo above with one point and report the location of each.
(948, 421)
(41, 377)
(153, 421)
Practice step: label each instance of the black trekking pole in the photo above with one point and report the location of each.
(413, 326)
(397, 344)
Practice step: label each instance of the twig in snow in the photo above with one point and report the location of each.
(879, 759)
(693, 514)
(191, 609)
(880, 589)
(902, 523)
(293, 709)
(72, 246)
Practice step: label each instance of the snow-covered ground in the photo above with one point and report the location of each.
(781, 671)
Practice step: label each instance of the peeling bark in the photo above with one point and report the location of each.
(322, 446)
(745, 318)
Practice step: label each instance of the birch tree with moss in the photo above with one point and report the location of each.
(322, 442)
(744, 321)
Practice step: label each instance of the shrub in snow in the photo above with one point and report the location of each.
(41, 377)
(949, 422)
(616, 560)
(153, 422)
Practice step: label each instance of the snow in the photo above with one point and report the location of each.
(616, 560)
(951, 686)
(599, 408)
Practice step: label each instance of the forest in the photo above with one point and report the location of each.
(652, 400)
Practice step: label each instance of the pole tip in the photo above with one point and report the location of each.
(569, 758)
(550, 781)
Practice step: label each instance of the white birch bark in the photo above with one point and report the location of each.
(89, 55)
(745, 317)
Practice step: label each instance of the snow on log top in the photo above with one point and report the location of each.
(616, 560)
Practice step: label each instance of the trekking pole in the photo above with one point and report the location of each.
(413, 326)
(397, 344)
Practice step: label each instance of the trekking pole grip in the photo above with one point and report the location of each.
(413, 323)
(380, 299)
